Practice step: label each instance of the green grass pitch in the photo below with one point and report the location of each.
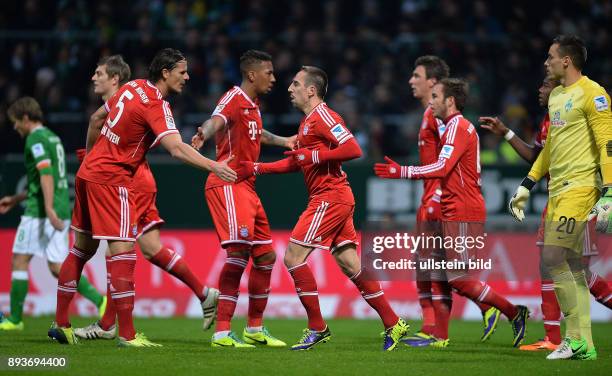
(355, 349)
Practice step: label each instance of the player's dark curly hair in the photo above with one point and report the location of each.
(434, 66)
(572, 46)
(25, 106)
(456, 88)
(164, 59)
(317, 77)
(116, 66)
(251, 58)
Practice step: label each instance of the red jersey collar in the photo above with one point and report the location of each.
(451, 117)
(254, 104)
(315, 108)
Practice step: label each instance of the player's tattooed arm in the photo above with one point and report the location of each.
(205, 131)
(269, 138)
(96, 122)
(528, 152)
(9, 202)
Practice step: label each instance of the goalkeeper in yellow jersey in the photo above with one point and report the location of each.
(578, 158)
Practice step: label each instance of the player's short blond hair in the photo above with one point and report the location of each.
(116, 66)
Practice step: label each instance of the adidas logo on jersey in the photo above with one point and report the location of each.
(72, 283)
(317, 239)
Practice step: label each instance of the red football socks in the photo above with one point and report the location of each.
(122, 291)
(551, 312)
(425, 301)
(259, 288)
(306, 288)
(110, 314)
(481, 292)
(67, 283)
(442, 301)
(174, 264)
(229, 284)
(375, 297)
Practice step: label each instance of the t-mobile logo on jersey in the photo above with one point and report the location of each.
(253, 131)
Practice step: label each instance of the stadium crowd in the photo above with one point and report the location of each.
(50, 49)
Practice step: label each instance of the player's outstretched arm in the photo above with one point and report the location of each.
(269, 138)
(8, 202)
(205, 131)
(47, 186)
(528, 152)
(185, 153)
(248, 169)
(96, 122)
(344, 152)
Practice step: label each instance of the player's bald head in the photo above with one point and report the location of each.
(316, 77)
(251, 60)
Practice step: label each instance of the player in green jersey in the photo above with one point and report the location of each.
(44, 226)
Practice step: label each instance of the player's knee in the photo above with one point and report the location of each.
(20, 263)
(237, 251)
(552, 257)
(266, 258)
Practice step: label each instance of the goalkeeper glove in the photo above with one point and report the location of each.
(603, 212)
(517, 203)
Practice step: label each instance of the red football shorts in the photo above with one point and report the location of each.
(146, 211)
(239, 217)
(462, 249)
(325, 225)
(590, 237)
(104, 211)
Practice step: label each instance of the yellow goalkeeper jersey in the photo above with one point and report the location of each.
(579, 142)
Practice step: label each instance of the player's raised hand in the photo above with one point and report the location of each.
(6, 204)
(304, 157)
(390, 170)
(603, 212)
(493, 124)
(223, 170)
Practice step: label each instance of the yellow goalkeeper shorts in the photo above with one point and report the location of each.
(567, 217)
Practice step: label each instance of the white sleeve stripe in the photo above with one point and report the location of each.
(221, 116)
(106, 106)
(431, 168)
(162, 135)
(315, 157)
(325, 116)
(452, 131)
(228, 97)
(345, 138)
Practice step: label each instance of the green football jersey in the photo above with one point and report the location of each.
(44, 155)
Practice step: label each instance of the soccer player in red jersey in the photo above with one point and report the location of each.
(138, 119)
(463, 207)
(598, 286)
(111, 73)
(323, 143)
(434, 292)
(239, 217)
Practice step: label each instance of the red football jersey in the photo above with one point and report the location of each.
(241, 135)
(137, 120)
(143, 180)
(324, 129)
(430, 134)
(540, 139)
(458, 167)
